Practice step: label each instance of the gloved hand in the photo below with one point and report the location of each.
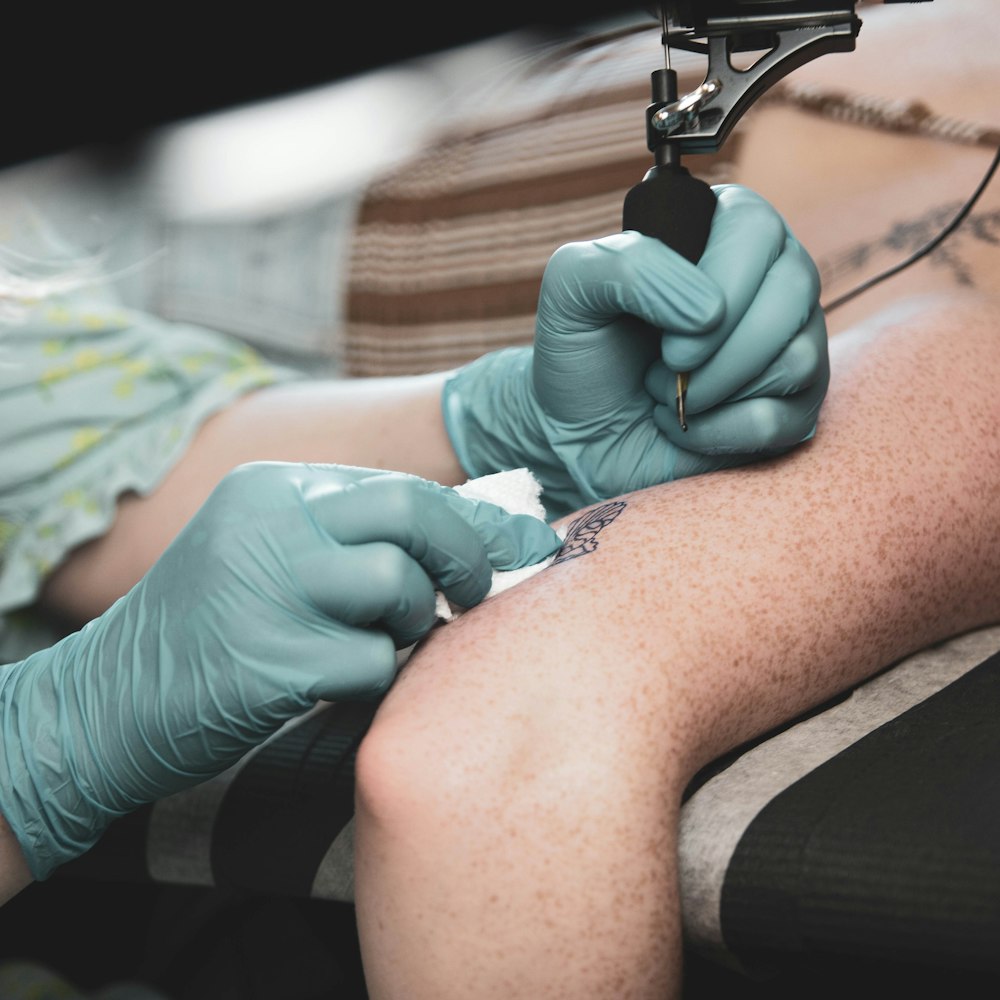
(591, 408)
(292, 584)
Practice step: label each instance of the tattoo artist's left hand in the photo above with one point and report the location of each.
(591, 409)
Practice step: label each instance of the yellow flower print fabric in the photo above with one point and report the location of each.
(96, 400)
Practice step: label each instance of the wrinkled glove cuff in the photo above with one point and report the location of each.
(31, 781)
(495, 424)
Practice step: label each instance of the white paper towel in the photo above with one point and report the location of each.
(518, 492)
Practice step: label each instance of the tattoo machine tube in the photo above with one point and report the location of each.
(669, 203)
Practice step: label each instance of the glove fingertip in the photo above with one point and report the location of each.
(695, 305)
(471, 589)
(525, 540)
(373, 667)
(712, 301)
(516, 540)
(685, 354)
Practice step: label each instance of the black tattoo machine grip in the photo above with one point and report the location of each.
(669, 203)
(675, 207)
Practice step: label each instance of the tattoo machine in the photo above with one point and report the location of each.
(669, 203)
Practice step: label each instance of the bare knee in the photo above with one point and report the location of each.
(463, 830)
(526, 770)
(436, 776)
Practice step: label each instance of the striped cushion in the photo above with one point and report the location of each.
(449, 249)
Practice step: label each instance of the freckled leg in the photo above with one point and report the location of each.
(519, 790)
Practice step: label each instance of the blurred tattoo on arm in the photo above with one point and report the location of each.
(908, 236)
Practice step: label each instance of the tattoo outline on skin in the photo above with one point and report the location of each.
(581, 536)
(908, 236)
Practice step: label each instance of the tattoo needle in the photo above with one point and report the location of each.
(682, 379)
(682, 388)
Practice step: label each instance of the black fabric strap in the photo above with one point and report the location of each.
(888, 851)
(286, 806)
(120, 855)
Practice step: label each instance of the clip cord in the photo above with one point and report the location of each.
(926, 248)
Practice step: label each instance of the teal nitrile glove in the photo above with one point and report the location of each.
(292, 584)
(577, 409)
(757, 380)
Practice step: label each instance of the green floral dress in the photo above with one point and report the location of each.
(95, 400)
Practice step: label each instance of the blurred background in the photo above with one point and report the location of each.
(84, 77)
(213, 162)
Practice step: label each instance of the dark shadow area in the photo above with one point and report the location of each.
(834, 978)
(90, 79)
(206, 944)
(189, 943)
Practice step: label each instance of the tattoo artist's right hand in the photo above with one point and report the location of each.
(591, 408)
(759, 377)
(292, 584)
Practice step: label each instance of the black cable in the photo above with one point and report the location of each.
(924, 250)
(889, 272)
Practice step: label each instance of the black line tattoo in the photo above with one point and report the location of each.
(906, 237)
(581, 538)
